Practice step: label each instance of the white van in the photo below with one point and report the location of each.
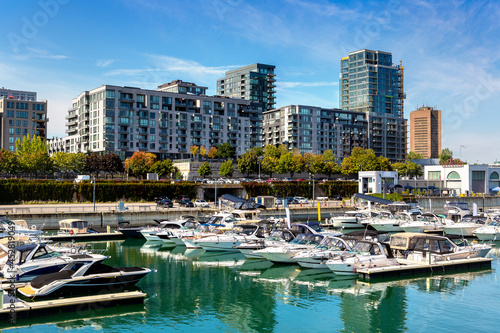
(80, 178)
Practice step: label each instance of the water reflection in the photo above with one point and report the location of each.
(193, 289)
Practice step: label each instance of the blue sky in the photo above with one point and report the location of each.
(450, 51)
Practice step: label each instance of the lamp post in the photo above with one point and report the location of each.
(215, 200)
(313, 191)
(260, 158)
(93, 195)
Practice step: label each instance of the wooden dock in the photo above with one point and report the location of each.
(86, 237)
(23, 309)
(411, 268)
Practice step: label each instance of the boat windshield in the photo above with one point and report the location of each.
(332, 244)
(365, 249)
(315, 227)
(306, 239)
(247, 230)
(43, 252)
(215, 219)
(278, 235)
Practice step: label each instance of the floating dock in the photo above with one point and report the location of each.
(17, 308)
(410, 268)
(86, 237)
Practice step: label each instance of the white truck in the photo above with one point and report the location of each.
(81, 178)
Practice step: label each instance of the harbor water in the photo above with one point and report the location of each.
(213, 292)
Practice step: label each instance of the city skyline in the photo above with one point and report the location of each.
(60, 48)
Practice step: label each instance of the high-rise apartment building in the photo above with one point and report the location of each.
(255, 83)
(370, 83)
(425, 132)
(313, 129)
(165, 122)
(18, 94)
(21, 117)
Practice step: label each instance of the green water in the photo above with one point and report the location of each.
(211, 292)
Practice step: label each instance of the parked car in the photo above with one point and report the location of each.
(157, 199)
(278, 201)
(322, 198)
(270, 180)
(300, 180)
(200, 203)
(183, 197)
(185, 202)
(165, 203)
(336, 197)
(301, 200)
(291, 200)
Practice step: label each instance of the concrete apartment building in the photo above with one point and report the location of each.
(313, 129)
(255, 83)
(425, 132)
(370, 83)
(21, 117)
(165, 122)
(18, 94)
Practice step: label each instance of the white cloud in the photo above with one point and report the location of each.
(104, 62)
(38, 53)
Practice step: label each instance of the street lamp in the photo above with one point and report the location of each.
(260, 158)
(313, 191)
(93, 195)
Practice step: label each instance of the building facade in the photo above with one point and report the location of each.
(465, 179)
(126, 119)
(21, 117)
(370, 83)
(18, 94)
(313, 129)
(425, 132)
(377, 181)
(255, 83)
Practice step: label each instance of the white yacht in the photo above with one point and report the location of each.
(425, 222)
(456, 210)
(284, 254)
(230, 240)
(351, 219)
(330, 247)
(276, 238)
(171, 236)
(365, 254)
(390, 223)
(17, 228)
(466, 226)
(150, 233)
(490, 232)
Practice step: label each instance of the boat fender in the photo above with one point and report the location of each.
(73, 250)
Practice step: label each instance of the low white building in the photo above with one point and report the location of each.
(465, 179)
(376, 181)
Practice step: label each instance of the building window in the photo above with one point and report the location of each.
(477, 175)
(494, 175)
(453, 175)
(434, 175)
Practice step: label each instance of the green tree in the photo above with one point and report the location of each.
(328, 156)
(212, 153)
(62, 163)
(225, 150)
(414, 156)
(314, 164)
(290, 163)
(363, 160)
(33, 155)
(93, 164)
(140, 163)
(268, 165)
(204, 169)
(413, 169)
(271, 151)
(77, 161)
(283, 149)
(332, 168)
(446, 154)
(248, 163)
(8, 162)
(203, 151)
(257, 151)
(226, 169)
(400, 168)
(383, 164)
(163, 168)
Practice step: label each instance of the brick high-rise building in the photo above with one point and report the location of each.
(425, 132)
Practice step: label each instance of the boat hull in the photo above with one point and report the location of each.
(460, 231)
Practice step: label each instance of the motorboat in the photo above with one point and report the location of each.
(133, 232)
(31, 260)
(84, 275)
(456, 210)
(174, 236)
(350, 219)
(418, 247)
(276, 238)
(365, 254)
(489, 232)
(466, 226)
(425, 222)
(284, 254)
(330, 247)
(230, 240)
(17, 228)
(150, 233)
(204, 230)
(390, 223)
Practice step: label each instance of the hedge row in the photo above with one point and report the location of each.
(302, 189)
(16, 191)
